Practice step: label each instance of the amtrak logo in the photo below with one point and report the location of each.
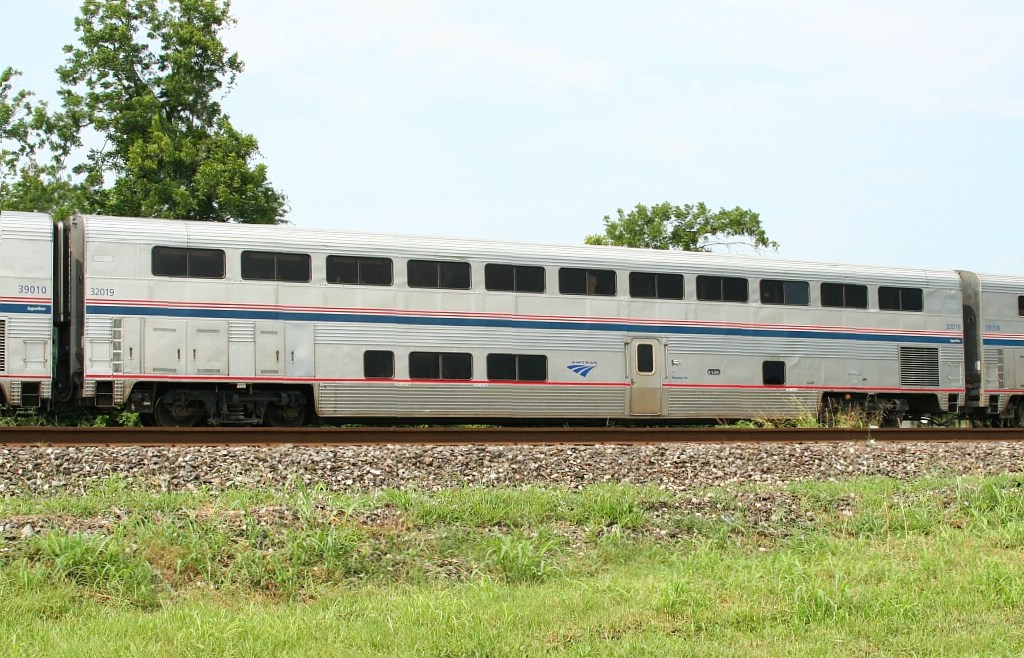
(582, 368)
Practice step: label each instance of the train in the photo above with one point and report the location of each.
(188, 323)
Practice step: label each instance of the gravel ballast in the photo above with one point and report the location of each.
(685, 468)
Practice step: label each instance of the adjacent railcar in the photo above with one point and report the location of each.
(187, 322)
(26, 308)
(1001, 333)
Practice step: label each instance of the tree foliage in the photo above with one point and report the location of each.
(687, 228)
(29, 177)
(140, 120)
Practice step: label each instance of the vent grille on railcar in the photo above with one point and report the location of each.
(3, 345)
(919, 366)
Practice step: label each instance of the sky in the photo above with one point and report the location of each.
(878, 132)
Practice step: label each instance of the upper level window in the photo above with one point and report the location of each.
(1020, 305)
(191, 262)
(517, 367)
(576, 281)
(655, 285)
(900, 299)
(791, 293)
(438, 274)
(516, 278)
(273, 266)
(359, 270)
(721, 289)
(846, 295)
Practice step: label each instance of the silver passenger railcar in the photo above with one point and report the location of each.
(26, 308)
(239, 324)
(998, 339)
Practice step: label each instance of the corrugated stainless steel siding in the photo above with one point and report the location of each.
(469, 400)
(38, 327)
(741, 403)
(134, 230)
(26, 225)
(1012, 285)
(794, 347)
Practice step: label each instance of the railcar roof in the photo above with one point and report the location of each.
(31, 225)
(291, 238)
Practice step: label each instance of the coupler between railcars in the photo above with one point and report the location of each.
(242, 405)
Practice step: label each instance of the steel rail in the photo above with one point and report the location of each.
(20, 437)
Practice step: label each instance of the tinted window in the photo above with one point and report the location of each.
(576, 281)
(792, 293)
(900, 299)
(654, 285)
(1020, 305)
(378, 364)
(193, 263)
(170, 261)
(721, 289)
(773, 373)
(438, 274)
(440, 365)
(645, 358)
(517, 367)
(272, 266)
(359, 270)
(846, 295)
(518, 278)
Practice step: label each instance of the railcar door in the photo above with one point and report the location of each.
(269, 349)
(208, 347)
(646, 360)
(163, 347)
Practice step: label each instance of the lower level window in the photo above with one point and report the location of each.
(773, 373)
(440, 365)
(378, 364)
(517, 367)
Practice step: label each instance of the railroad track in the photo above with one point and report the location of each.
(43, 437)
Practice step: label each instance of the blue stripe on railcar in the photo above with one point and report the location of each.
(492, 323)
(25, 308)
(1003, 342)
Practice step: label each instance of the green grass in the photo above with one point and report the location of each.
(873, 566)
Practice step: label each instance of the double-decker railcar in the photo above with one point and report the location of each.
(237, 324)
(26, 308)
(996, 338)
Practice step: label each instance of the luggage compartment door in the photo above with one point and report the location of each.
(163, 349)
(208, 347)
(646, 364)
(269, 349)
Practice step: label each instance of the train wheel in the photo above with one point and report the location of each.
(286, 416)
(175, 414)
(1018, 417)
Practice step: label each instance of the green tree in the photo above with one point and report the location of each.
(142, 121)
(688, 228)
(28, 175)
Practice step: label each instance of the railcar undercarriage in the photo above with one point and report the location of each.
(239, 406)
